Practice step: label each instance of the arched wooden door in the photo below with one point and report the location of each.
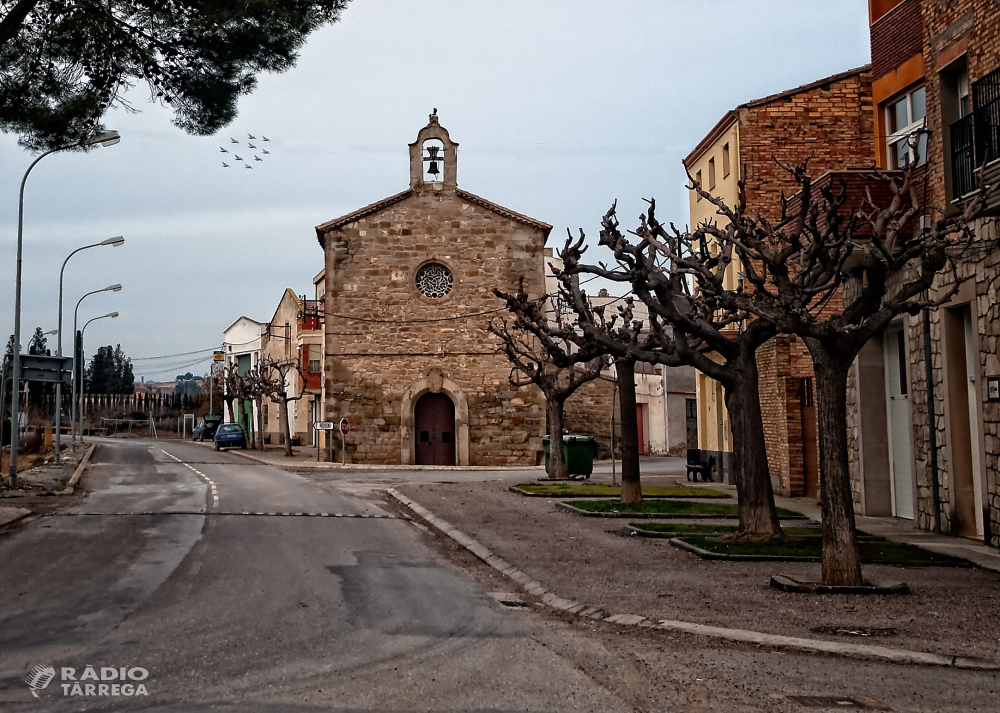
(434, 429)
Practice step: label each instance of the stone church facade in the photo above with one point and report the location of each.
(408, 294)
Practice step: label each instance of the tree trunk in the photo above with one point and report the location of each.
(631, 487)
(758, 515)
(286, 428)
(841, 558)
(229, 404)
(557, 464)
(239, 412)
(260, 423)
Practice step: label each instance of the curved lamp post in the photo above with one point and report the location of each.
(114, 242)
(112, 315)
(78, 388)
(108, 138)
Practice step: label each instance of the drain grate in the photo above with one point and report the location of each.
(828, 702)
(855, 630)
(509, 599)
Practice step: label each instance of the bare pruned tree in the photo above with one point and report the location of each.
(538, 359)
(257, 386)
(678, 277)
(882, 259)
(274, 382)
(231, 380)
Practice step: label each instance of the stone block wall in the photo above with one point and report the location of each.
(383, 336)
(953, 29)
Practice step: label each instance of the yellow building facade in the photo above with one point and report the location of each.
(714, 164)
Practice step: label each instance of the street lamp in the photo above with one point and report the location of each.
(112, 315)
(114, 242)
(108, 138)
(77, 388)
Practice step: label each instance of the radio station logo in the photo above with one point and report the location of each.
(91, 681)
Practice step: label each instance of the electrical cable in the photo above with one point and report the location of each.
(414, 321)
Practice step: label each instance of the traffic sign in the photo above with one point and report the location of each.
(324, 425)
(42, 368)
(219, 356)
(345, 426)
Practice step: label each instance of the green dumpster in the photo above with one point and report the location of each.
(578, 452)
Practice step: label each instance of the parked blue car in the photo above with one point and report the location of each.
(230, 435)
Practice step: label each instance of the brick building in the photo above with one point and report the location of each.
(407, 295)
(936, 84)
(830, 122)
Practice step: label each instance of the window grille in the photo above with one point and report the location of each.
(434, 280)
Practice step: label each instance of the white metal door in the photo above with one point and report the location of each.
(972, 372)
(900, 438)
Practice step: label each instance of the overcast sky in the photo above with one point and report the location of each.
(560, 107)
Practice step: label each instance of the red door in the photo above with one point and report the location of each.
(434, 419)
(810, 456)
(640, 420)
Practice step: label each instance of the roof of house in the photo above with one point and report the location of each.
(381, 205)
(289, 292)
(732, 115)
(240, 320)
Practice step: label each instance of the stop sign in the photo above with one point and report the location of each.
(345, 426)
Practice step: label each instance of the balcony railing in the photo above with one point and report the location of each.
(975, 139)
(963, 157)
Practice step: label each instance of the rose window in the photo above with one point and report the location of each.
(434, 280)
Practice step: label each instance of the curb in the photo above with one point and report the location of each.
(796, 586)
(814, 646)
(704, 554)
(692, 498)
(663, 515)
(9, 515)
(71, 485)
(707, 555)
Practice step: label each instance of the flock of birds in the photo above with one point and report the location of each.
(246, 162)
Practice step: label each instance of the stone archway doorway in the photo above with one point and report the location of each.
(434, 430)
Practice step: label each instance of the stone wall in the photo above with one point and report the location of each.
(954, 31)
(381, 333)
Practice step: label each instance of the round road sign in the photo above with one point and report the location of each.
(345, 426)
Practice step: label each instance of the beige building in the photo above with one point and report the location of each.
(294, 336)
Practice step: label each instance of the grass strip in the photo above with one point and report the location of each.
(812, 547)
(604, 490)
(669, 507)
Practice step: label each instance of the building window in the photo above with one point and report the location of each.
(711, 173)
(691, 408)
(964, 96)
(434, 280)
(904, 119)
(312, 351)
(697, 180)
(725, 161)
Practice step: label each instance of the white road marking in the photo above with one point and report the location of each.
(214, 489)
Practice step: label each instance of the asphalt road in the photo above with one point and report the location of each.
(258, 612)
(341, 604)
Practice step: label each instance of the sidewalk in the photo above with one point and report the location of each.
(950, 611)
(898, 530)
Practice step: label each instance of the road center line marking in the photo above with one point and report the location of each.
(214, 490)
